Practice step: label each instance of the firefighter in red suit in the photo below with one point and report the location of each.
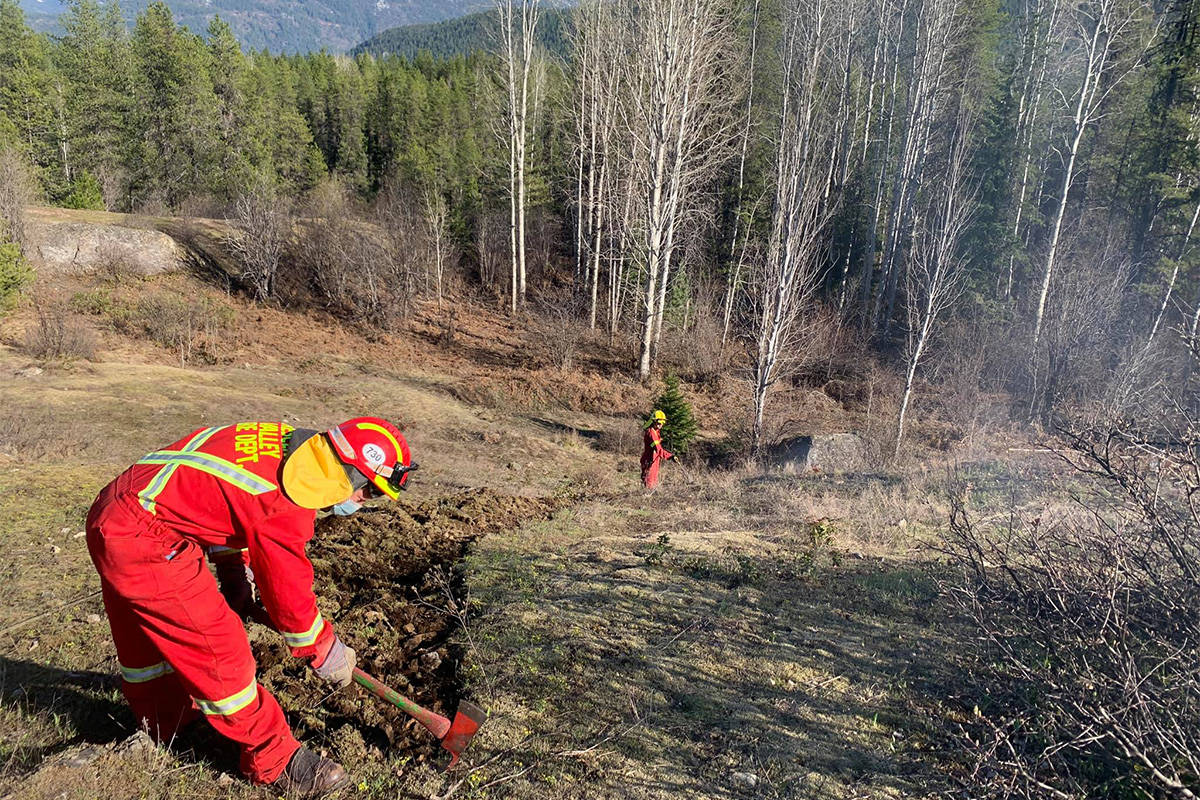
(653, 453)
(245, 496)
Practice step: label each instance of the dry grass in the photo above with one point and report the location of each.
(786, 627)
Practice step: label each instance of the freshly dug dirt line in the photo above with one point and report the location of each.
(388, 579)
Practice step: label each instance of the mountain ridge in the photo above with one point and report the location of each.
(287, 26)
(462, 35)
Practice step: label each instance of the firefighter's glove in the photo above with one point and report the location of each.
(237, 586)
(338, 665)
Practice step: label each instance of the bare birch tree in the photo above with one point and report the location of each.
(677, 120)
(1040, 20)
(1109, 42)
(934, 278)
(739, 240)
(935, 25)
(805, 141)
(518, 26)
(598, 66)
(437, 218)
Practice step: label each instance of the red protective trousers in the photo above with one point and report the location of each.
(182, 650)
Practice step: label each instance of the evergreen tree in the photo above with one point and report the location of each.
(680, 429)
(95, 60)
(85, 193)
(177, 111)
(27, 91)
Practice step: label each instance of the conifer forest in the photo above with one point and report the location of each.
(1015, 181)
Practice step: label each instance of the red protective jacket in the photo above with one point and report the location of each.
(229, 499)
(653, 454)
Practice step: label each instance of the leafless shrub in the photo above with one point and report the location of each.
(697, 351)
(113, 263)
(447, 321)
(57, 333)
(114, 186)
(567, 332)
(194, 328)
(17, 190)
(264, 223)
(409, 224)
(959, 371)
(359, 272)
(491, 232)
(1088, 620)
(1083, 304)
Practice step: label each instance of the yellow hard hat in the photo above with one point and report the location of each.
(660, 416)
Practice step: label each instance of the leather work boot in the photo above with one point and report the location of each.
(310, 775)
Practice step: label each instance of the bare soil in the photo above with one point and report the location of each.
(391, 578)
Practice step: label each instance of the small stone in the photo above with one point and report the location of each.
(745, 780)
(137, 743)
(79, 535)
(84, 757)
(64, 530)
(410, 629)
(224, 779)
(55, 549)
(94, 619)
(29, 372)
(513, 465)
(431, 660)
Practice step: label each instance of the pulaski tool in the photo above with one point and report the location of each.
(454, 736)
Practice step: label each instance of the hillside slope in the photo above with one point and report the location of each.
(733, 634)
(463, 35)
(289, 26)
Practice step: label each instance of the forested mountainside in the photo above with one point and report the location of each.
(288, 26)
(463, 35)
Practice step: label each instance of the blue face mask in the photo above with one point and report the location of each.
(346, 508)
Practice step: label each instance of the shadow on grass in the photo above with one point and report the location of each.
(46, 710)
(69, 707)
(805, 676)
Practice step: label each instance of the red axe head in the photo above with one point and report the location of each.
(466, 722)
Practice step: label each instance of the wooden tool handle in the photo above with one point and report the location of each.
(436, 724)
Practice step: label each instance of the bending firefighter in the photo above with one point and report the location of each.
(246, 496)
(653, 453)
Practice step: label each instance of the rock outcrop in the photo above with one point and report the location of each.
(831, 452)
(63, 242)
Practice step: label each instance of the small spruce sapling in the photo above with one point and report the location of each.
(680, 429)
(14, 271)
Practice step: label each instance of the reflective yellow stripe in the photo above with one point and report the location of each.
(222, 550)
(212, 465)
(144, 674)
(149, 495)
(308, 637)
(188, 456)
(371, 426)
(230, 705)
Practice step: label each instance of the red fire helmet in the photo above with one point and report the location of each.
(375, 448)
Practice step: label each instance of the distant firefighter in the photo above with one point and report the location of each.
(653, 453)
(245, 496)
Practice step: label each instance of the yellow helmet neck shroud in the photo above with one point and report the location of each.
(313, 477)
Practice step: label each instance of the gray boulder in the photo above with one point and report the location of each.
(829, 452)
(60, 243)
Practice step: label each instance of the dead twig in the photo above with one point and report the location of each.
(74, 602)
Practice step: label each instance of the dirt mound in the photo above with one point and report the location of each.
(388, 580)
